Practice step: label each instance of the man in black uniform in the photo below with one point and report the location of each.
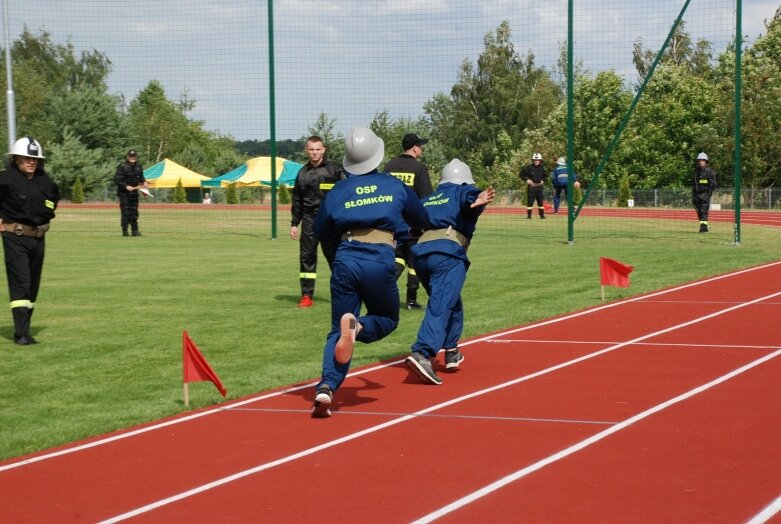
(28, 198)
(703, 185)
(534, 174)
(314, 180)
(414, 173)
(129, 178)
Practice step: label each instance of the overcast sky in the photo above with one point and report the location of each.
(346, 58)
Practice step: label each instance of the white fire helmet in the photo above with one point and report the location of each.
(363, 151)
(561, 161)
(702, 156)
(27, 146)
(457, 172)
(536, 156)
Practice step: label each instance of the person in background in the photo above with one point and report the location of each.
(129, 178)
(364, 214)
(28, 198)
(559, 177)
(408, 168)
(703, 186)
(314, 180)
(534, 175)
(441, 261)
(207, 198)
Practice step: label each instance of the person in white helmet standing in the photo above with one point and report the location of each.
(703, 185)
(534, 176)
(28, 198)
(365, 213)
(440, 257)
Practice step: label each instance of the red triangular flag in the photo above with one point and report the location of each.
(613, 272)
(196, 369)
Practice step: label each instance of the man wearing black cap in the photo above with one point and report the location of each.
(129, 178)
(414, 173)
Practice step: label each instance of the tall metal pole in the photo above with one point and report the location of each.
(570, 120)
(738, 91)
(9, 93)
(272, 119)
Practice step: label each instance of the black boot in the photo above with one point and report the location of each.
(542, 213)
(22, 317)
(136, 233)
(529, 214)
(125, 233)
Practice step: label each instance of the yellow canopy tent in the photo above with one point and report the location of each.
(256, 172)
(167, 173)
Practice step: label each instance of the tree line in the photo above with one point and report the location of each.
(502, 108)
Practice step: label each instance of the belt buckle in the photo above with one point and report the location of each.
(18, 229)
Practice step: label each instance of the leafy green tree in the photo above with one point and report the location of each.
(502, 91)
(624, 192)
(77, 192)
(681, 51)
(284, 194)
(157, 125)
(231, 196)
(71, 159)
(180, 195)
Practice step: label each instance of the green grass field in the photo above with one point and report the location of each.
(112, 310)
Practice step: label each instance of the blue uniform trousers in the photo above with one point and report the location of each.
(443, 277)
(356, 280)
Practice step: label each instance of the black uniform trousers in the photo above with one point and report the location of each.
(534, 193)
(701, 202)
(308, 253)
(128, 206)
(23, 267)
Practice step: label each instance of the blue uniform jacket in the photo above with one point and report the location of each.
(559, 176)
(450, 205)
(375, 200)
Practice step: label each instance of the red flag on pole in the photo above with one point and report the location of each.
(196, 369)
(613, 272)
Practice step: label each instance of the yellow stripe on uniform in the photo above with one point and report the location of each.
(401, 261)
(21, 303)
(307, 275)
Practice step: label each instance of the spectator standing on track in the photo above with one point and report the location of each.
(441, 261)
(314, 180)
(559, 177)
(28, 198)
(409, 169)
(703, 185)
(535, 176)
(129, 178)
(364, 214)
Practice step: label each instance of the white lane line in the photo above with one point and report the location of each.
(490, 488)
(436, 415)
(768, 513)
(604, 342)
(222, 407)
(262, 467)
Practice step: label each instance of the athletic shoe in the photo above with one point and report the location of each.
(322, 405)
(421, 366)
(348, 327)
(453, 358)
(306, 301)
(703, 228)
(413, 304)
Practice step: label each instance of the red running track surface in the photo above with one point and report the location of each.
(661, 408)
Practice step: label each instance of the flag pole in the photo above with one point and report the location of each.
(603, 293)
(186, 394)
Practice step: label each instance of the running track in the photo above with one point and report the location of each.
(661, 408)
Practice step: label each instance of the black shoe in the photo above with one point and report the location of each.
(413, 304)
(419, 364)
(125, 234)
(453, 358)
(703, 228)
(529, 217)
(136, 233)
(322, 406)
(25, 340)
